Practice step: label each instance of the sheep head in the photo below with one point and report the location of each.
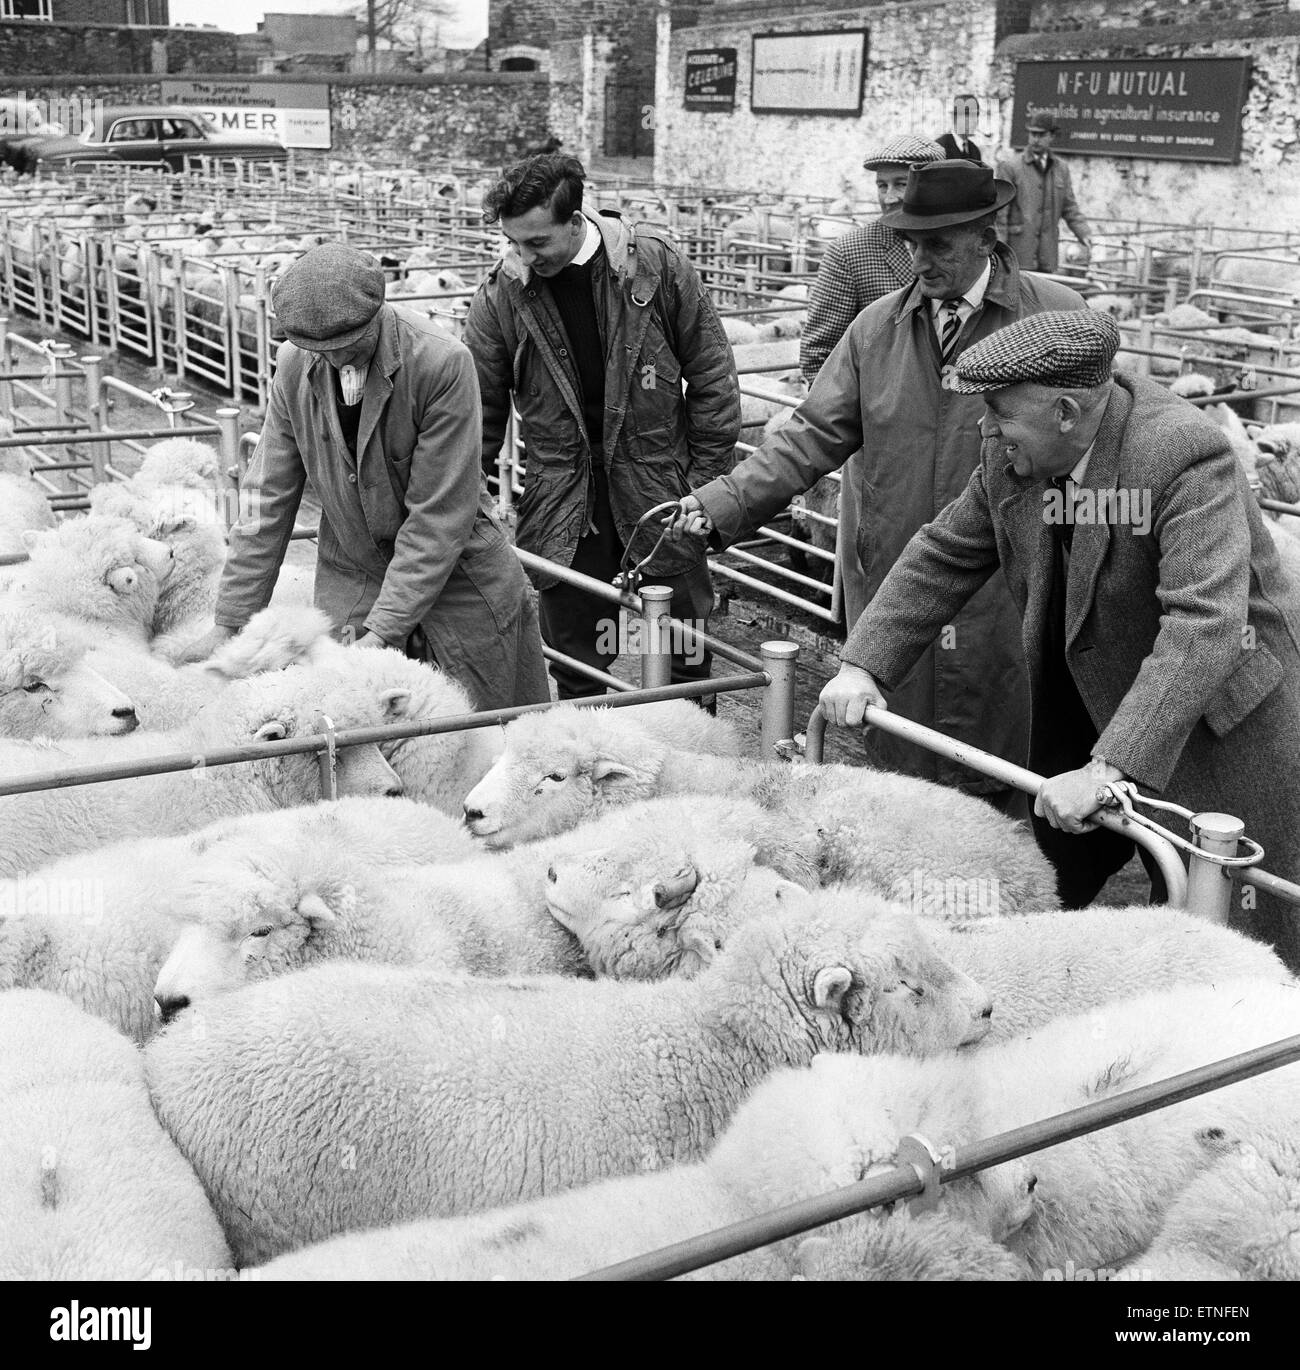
(252, 912)
(97, 570)
(46, 688)
(858, 974)
(560, 768)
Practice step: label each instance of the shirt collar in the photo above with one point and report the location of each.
(974, 297)
(590, 244)
(1081, 466)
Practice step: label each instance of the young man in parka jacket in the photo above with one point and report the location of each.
(593, 325)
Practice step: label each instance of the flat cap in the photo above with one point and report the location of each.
(1042, 122)
(902, 150)
(1070, 348)
(328, 297)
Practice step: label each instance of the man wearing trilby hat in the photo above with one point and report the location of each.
(1160, 629)
(882, 389)
(381, 412)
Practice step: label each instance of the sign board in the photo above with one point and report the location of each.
(711, 79)
(1184, 109)
(297, 115)
(809, 73)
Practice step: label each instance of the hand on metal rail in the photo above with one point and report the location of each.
(1069, 799)
(1123, 794)
(846, 697)
(689, 520)
(629, 574)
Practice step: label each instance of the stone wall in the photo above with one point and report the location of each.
(28, 46)
(1059, 16)
(465, 116)
(919, 55)
(1262, 191)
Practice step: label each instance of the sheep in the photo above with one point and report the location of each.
(97, 927)
(91, 1188)
(23, 506)
(167, 696)
(1035, 967)
(42, 825)
(97, 571)
(462, 1095)
(1237, 1220)
(298, 898)
(889, 832)
(47, 688)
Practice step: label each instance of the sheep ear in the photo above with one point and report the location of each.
(605, 770)
(395, 702)
(830, 985)
(698, 950)
(316, 911)
(271, 731)
(122, 579)
(30, 537)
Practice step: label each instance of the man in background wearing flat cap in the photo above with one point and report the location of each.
(381, 412)
(882, 389)
(856, 270)
(1160, 630)
(1030, 224)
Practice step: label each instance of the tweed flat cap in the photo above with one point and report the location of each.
(1042, 123)
(902, 150)
(328, 297)
(1070, 348)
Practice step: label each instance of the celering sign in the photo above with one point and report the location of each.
(1188, 109)
(711, 79)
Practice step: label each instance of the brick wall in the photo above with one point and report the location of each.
(919, 55)
(56, 49)
(111, 11)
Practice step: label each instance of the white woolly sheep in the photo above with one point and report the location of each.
(47, 688)
(1240, 1219)
(296, 898)
(91, 1188)
(457, 1096)
(45, 824)
(96, 571)
(166, 696)
(892, 833)
(1035, 967)
(98, 926)
(23, 506)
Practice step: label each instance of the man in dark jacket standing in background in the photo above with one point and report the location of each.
(593, 325)
(1031, 224)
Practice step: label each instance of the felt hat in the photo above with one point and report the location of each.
(941, 194)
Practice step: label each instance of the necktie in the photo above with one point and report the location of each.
(1065, 531)
(951, 326)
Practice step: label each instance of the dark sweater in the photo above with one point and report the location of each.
(571, 290)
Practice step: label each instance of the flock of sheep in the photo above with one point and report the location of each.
(525, 1002)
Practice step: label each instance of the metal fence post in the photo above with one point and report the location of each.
(506, 467)
(65, 409)
(101, 453)
(655, 633)
(1209, 886)
(780, 661)
(6, 390)
(229, 491)
(1146, 342)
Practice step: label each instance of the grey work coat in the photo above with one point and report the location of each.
(658, 330)
(881, 389)
(1031, 224)
(1183, 640)
(407, 534)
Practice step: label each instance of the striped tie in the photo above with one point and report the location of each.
(951, 326)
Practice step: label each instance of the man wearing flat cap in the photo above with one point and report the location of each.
(1160, 630)
(380, 411)
(882, 389)
(856, 270)
(1030, 224)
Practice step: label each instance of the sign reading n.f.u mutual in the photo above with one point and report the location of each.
(1188, 109)
(297, 115)
(711, 79)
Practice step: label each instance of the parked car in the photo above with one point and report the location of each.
(20, 120)
(147, 133)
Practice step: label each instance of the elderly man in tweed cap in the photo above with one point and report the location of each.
(1161, 632)
(380, 411)
(882, 390)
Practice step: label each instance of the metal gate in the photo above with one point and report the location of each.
(629, 119)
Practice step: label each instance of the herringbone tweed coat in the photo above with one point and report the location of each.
(1184, 640)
